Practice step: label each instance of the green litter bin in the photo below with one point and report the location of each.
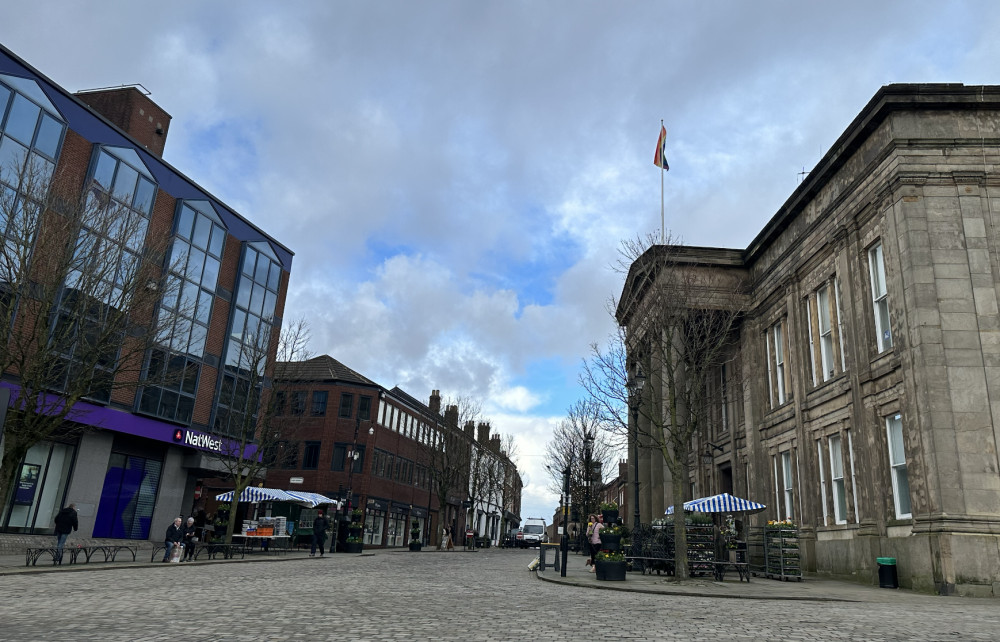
(887, 577)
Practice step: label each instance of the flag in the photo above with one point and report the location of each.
(660, 159)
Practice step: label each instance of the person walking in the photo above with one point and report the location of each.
(320, 524)
(449, 544)
(66, 522)
(594, 532)
(174, 537)
(190, 539)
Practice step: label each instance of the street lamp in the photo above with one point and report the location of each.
(635, 385)
(588, 447)
(566, 503)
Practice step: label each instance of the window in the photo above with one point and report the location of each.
(786, 470)
(346, 405)
(310, 456)
(299, 402)
(825, 332)
(723, 400)
(248, 345)
(358, 457)
(880, 299)
(897, 461)
(837, 481)
(777, 377)
(319, 403)
(288, 453)
(280, 402)
(339, 455)
(854, 479)
(173, 398)
(822, 479)
(365, 408)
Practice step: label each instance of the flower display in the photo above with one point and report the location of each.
(609, 556)
(609, 506)
(783, 523)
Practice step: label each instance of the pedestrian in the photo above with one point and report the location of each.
(190, 539)
(320, 524)
(594, 532)
(449, 545)
(66, 522)
(174, 537)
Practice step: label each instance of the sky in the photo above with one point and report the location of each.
(455, 177)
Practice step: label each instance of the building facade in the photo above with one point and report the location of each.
(130, 456)
(859, 400)
(396, 458)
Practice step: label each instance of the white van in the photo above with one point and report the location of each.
(533, 533)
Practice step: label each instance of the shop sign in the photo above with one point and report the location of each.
(198, 440)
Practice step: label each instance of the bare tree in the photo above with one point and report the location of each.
(567, 449)
(255, 430)
(79, 283)
(679, 319)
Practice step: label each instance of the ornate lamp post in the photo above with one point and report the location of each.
(352, 456)
(634, 385)
(566, 504)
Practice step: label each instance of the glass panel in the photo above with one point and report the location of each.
(49, 134)
(144, 196)
(210, 277)
(239, 321)
(218, 243)
(185, 407)
(199, 335)
(104, 173)
(41, 172)
(5, 95)
(22, 119)
(12, 158)
(168, 404)
(260, 276)
(257, 299)
(189, 299)
(202, 229)
(150, 400)
(136, 232)
(196, 261)
(896, 454)
(185, 219)
(204, 311)
(270, 300)
(243, 294)
(125, 183)
(274, 277)
(248, 261)
(178, 256)
(903, 490)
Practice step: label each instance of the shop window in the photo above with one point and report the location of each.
(38, 488)
(880, 298)
(128, 497)
(897, 463)
(318, 403)
(373, 526)
(310, 455)
(346, 405)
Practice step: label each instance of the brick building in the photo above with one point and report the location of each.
(131, 459)
(859, 400)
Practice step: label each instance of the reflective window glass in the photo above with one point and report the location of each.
(12, 157)
(199, 335)
(184, 222)
(125, 183)
(202, 229)
(239, 321)
(21, 119)
(144, 195)
(210, 277)
(218, 243)
(270, 300)
(243, 295)
(196, 261)
(49, 134)
(204, 311)
(274, 276)
(5, 95)
(257, 299)
(41, 169)
(260, 276)
(249, 261)
(104, 172)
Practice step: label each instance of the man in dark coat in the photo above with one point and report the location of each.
(320, 524)
(174, 536)
(66, 523)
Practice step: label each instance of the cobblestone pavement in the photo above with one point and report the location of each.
(489, 595)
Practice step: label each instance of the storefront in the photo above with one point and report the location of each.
(375, 512)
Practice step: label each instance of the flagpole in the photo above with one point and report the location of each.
(663, 232)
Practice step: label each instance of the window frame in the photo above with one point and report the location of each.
(311, 448)
(894, 467)
(880, 297)
(320, 398)
(346, 408)
(835, 444)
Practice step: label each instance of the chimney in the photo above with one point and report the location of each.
(495, 443)
(451, 416)
(435, 402)
(484, 433)
(470, 429)
(623, 469)
(133, 112)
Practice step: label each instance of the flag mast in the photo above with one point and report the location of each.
(660, 160)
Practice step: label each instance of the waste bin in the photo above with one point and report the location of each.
(887, 572)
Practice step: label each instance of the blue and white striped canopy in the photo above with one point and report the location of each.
(253, 494)
(310, 499)
(722, 503)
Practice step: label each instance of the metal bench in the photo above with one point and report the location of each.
(228, 551)
(742, 568)
(73, 554)
(31, 555)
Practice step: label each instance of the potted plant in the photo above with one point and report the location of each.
(609, 510)
(415, 536)
(354, 542)
(610, 566)
(611, 538)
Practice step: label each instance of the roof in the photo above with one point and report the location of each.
(321, 368)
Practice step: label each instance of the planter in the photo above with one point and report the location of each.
(354, 531)
(609, 571)
(354, 547)
(611, 542)
(610, 516)
(415, 546)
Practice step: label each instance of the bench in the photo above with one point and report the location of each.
(742, 568)
(228, 551)
(109, 551)
(644, 563)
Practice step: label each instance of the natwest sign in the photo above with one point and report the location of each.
(198, 440)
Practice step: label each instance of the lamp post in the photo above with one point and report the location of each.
(352, 458)
(707, 458)
(588, 465)
(635, 385)
(566, 502)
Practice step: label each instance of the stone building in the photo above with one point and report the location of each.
(862, 397)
